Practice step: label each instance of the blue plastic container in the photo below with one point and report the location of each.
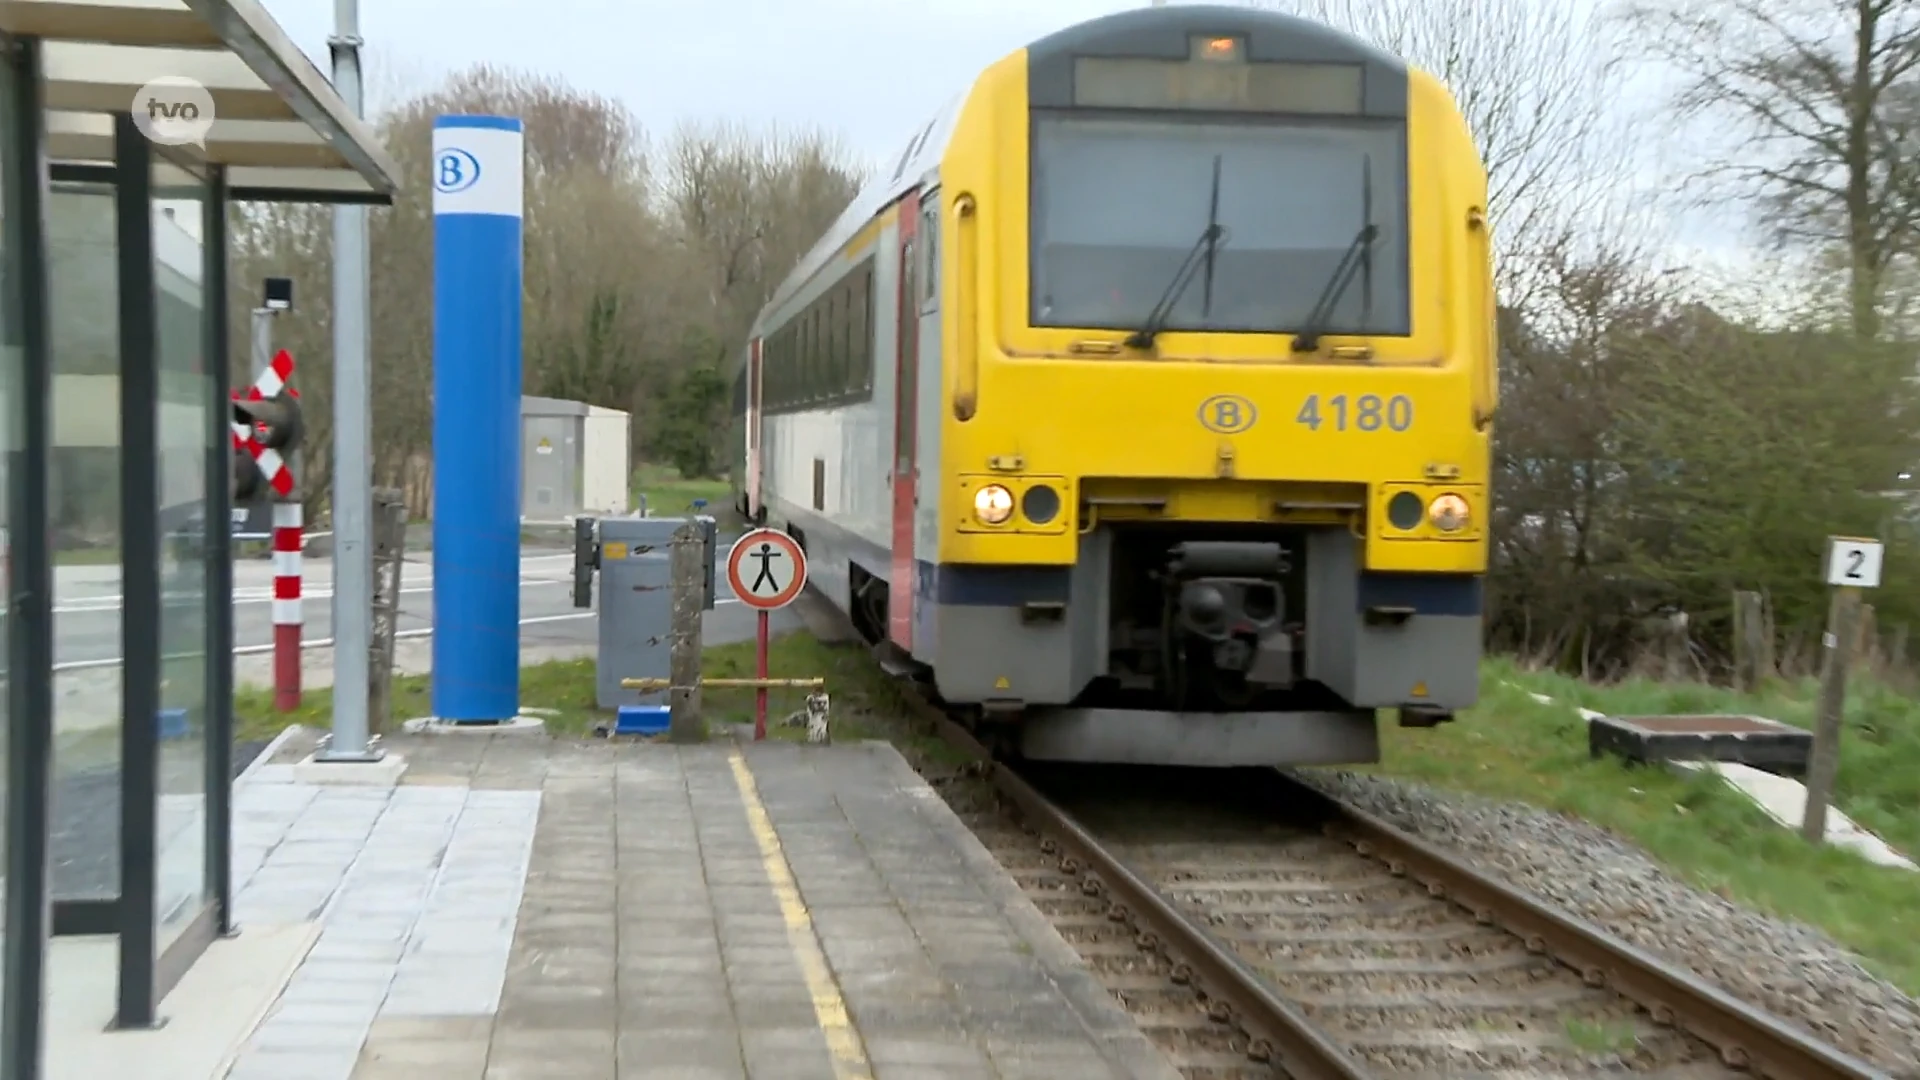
(640, 720)
(173, 723)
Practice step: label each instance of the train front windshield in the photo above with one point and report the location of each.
(1119, 203)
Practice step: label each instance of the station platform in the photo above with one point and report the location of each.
(520, 908)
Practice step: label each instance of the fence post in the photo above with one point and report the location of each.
(389, 557)
(1843, 623)
(1752, 641)
(687, 573)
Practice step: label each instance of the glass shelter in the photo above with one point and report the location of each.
(116, 636)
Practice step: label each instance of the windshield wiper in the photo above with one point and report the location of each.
(1307, 338)
(1209, 244)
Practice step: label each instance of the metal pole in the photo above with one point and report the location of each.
(352, 435)
(262, 327)
(760, 670)
(262, 339)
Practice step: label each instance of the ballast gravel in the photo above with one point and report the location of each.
(1786, 968)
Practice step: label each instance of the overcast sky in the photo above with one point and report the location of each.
(870, 71)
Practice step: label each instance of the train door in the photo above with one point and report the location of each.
(752, 484)
(905, 410)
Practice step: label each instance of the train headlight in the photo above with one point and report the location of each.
(1449, 513)
(993, 504)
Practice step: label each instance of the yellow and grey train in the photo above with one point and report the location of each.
(1142, 402)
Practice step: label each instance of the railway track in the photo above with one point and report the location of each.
(1323, 943)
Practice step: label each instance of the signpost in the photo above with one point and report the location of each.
(1853, 563)
(766, 570)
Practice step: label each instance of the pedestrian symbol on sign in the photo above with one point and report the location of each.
(766, 569)
(766, 555)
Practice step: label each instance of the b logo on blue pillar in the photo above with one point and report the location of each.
(478, 165)
(455, 171)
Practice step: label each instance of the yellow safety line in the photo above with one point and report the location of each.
(843, 1041)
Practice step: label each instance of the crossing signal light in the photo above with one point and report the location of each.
(247, 481)
(275, 421)
(272, 427)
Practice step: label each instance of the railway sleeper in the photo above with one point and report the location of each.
(1465, 968)
(1485, 1041)
(1544, 998)
(1304, 886)
(1436, 935)
(1692, 1071)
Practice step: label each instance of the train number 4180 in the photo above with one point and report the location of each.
(1368, 412)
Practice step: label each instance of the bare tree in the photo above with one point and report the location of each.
(748, 206)
(1826, 97)
(637, 284)
(1536, 81)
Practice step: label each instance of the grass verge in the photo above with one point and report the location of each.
(668, 494)
(102, 556)
(865, 702)
(1513, 747)
(563, 685)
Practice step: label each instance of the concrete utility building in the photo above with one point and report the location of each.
(573, 459)
(113, 412)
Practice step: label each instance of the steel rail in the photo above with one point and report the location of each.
(1747, 1037)
(1284, 1037)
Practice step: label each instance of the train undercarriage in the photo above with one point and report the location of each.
(1204, 642)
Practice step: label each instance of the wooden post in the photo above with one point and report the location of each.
(1752, 641)
(687, 572)
(1842, 623)
(1852, 564)
(1676, 647)
(389, 558)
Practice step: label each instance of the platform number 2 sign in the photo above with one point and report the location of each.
(1854, 562)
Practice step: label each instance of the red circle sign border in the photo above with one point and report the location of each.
(785, 596)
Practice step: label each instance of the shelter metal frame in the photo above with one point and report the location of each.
(70, 71)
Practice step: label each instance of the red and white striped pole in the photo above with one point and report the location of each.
(286, 606)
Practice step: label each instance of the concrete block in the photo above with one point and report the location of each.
(655, 1052)
(798, 1053)
(294, 1065)
(946, 1053)
(383, 773)
(433, 725)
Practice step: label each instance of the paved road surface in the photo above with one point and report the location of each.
(87, 642)
(87, 607)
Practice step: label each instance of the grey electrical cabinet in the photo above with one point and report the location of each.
(573, 459)
(634, 557)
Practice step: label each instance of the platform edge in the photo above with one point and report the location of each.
(1109, 1026)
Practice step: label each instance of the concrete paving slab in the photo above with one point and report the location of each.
(707, 913)
(207, 1016)
(787, 913)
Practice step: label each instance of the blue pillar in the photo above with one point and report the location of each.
(478, 178)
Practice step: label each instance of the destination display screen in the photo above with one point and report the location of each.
(1101, 82)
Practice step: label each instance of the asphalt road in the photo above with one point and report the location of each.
(87, 604)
